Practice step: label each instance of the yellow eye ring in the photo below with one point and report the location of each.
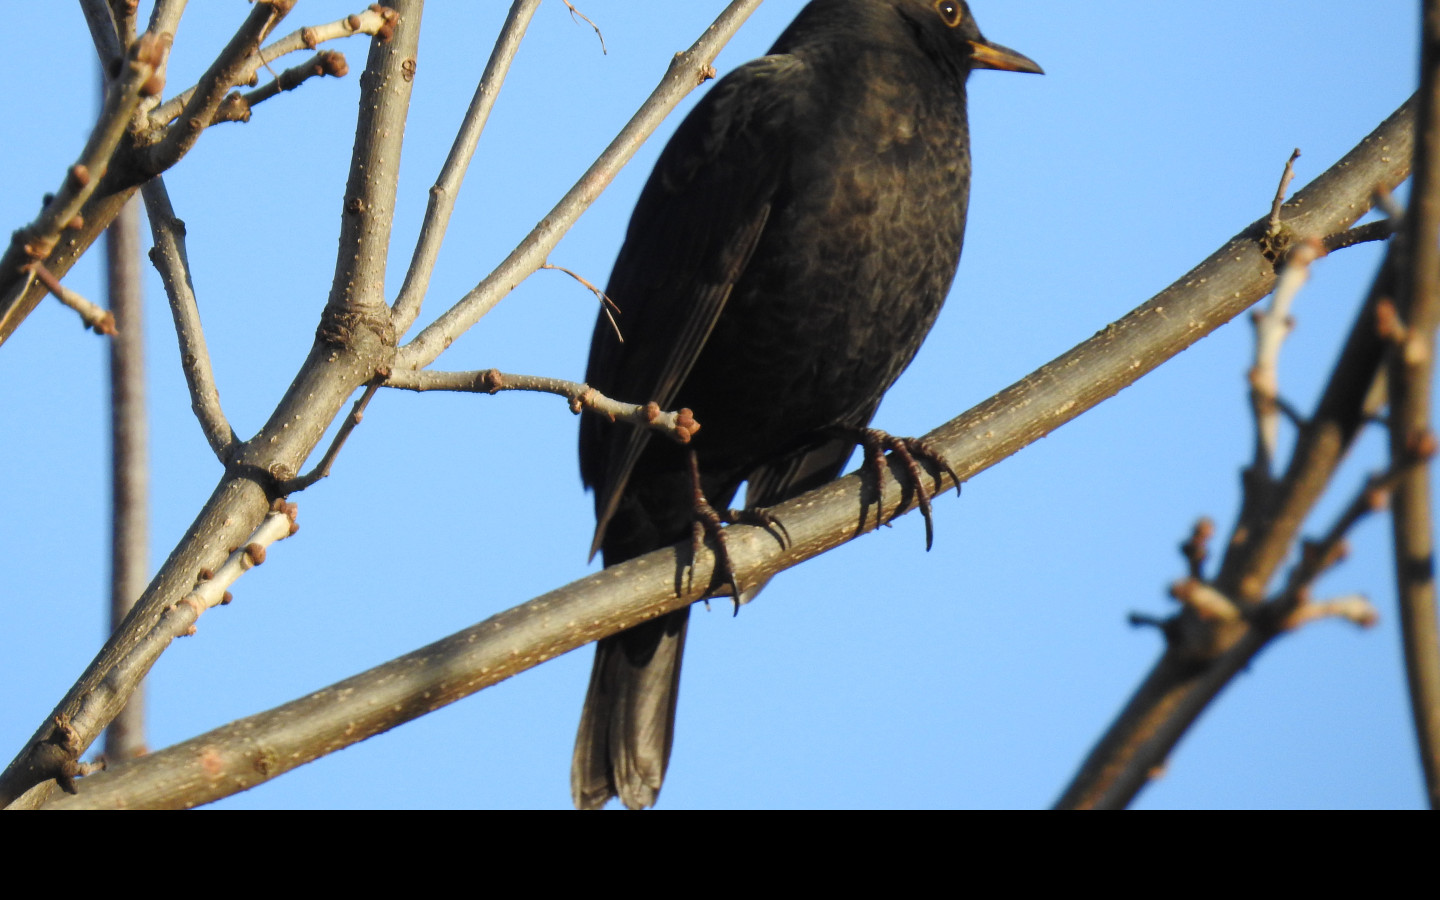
(949, 11)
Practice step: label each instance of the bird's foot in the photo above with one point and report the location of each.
(875, 442)
(708, 523)
(758, 516)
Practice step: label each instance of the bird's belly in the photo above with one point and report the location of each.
(824, 321)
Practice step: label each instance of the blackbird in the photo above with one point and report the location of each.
(784, 261)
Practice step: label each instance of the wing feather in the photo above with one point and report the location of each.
(695, 227)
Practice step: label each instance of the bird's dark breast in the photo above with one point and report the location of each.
(856, 258)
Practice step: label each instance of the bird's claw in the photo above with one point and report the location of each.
(875, 442)
(709, 523)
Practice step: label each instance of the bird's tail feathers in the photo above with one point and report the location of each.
(628, 724)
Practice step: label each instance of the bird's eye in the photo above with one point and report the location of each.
(949, 10)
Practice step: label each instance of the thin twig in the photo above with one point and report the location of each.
(575, 12)
(1379, 230)
(679, 425)
(237, 106)
(170, 260)
(92, 315)
(687, 71)
(1354, 608)
(165, 17)
(36, 240)
(452, 174)
(371, 21)
(1320, 555)
(228, 70)
(1285, 178)
(607, 306)
(1271, 328)
(322, 470)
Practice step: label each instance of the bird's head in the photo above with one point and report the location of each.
(950, 24)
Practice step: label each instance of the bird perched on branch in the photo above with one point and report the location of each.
(784, 261)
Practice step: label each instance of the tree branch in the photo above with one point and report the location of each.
(679, 426)
(101, 23)
(227, 70)
(1203, 653)
(92, 315)
(1412, 439)
(378, 20)
(60, 221)
(452, 174)
(170, 260)
(129, 457)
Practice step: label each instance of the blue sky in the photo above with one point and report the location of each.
(977, 675)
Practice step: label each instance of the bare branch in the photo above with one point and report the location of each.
(170, 260)
(94, 317)
(1371, 231)
(1271, 328)
(1320, 555)
(679, 426)
(179, 621)
(236, 107)
(687, 71)
(36, 241)
(575, 12)
(452, 174)
(357, 414)
(165, 17)
(1412, 439)
(228, 69)
(129, 463)
(607, 306)
(1285, 178)
(1202, 655)
(378, 20)
(101, 21)
(1356, 609)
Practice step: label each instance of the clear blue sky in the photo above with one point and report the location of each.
(977, 675)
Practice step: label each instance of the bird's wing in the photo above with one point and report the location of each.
(694, 229)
